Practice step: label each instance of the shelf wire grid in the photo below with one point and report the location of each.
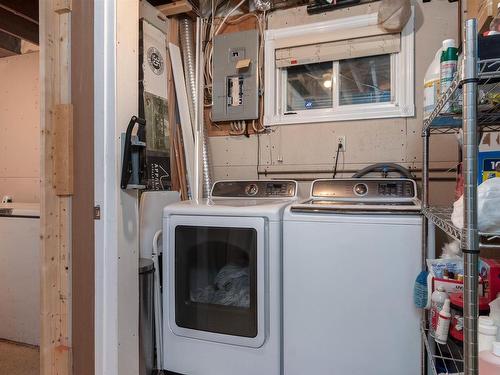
(444, 359)
(488, 118)
(441, 217)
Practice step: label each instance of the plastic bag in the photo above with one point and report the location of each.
(451, 250)
(394, 14)
(438, 266)
(488, 201)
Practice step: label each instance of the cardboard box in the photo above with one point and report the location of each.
(484, 11)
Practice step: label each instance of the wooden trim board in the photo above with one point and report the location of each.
(182, 102)
(63, 149)
(82, 208)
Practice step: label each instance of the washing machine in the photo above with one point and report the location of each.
(222, 272)
(350, 256)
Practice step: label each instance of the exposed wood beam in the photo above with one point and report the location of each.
(24, 8)
(177, 7)
(18, 26)
(9, 45)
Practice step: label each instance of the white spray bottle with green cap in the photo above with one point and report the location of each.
(448, 68)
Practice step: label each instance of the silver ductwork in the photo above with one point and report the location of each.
(188, 55)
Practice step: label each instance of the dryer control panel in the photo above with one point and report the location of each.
(357, 188)
(255, 189)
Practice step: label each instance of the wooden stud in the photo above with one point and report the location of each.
(176, 7)
(63, 152)
(55, 287)
(62, 6)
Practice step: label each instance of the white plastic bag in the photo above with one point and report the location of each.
(394, 14)
(488, 203)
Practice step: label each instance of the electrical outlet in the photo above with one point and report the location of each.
(341, 140)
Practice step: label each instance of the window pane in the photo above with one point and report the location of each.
(365, 80)
(309, 86)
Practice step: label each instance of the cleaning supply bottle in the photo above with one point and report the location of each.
(495, 313)
(489, 360)
(431, 85)
(487, 333)
(443, 326)
(448, 68)
(438, 298)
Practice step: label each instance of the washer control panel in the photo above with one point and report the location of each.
(384, 188)
(255, 189)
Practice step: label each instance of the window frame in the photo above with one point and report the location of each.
(402, 73)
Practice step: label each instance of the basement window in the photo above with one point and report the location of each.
(309, 86)
(347, 69)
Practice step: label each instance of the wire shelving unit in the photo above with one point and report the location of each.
(475, 82)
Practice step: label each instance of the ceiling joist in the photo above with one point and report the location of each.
(25, 8)
(18, 24)
(9, 45)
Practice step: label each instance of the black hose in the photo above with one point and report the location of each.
(384, 168)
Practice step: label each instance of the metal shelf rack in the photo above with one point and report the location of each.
(447, 359)
(473, 119)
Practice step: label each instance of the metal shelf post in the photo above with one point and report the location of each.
(470, 235)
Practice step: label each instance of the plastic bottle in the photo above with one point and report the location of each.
(487, 333)
(495, 22)
(443, 326)
(489, 360)
(431, 85)
(448, 68)
(438, 298)
(495, 313)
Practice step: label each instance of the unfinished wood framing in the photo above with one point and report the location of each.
(55, 286)
(176, 7)
(63, 149)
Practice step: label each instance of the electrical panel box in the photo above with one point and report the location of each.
(235, 64)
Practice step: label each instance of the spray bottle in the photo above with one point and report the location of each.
(431, 85)
(448, 68)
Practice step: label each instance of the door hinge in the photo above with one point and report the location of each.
(97, 212)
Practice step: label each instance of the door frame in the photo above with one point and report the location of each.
(116, 64)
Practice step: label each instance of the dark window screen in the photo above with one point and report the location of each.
(216, 279)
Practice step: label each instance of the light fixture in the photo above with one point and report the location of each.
(327, 80)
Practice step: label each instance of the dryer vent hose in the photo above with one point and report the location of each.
(188, 55)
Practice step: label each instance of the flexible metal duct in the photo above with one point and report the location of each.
(188, 55)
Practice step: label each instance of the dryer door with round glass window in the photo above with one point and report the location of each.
(216, 279)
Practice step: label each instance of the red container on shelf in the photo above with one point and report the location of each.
(457, 314)
(489, 270)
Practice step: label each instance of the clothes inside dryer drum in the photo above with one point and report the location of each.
(231, 287)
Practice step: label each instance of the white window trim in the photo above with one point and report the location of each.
(402, 70)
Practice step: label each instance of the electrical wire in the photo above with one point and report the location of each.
(210, 32)
(339, 147)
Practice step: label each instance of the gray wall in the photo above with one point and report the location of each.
(308, 151)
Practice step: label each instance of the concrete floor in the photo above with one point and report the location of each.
(17, 359)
